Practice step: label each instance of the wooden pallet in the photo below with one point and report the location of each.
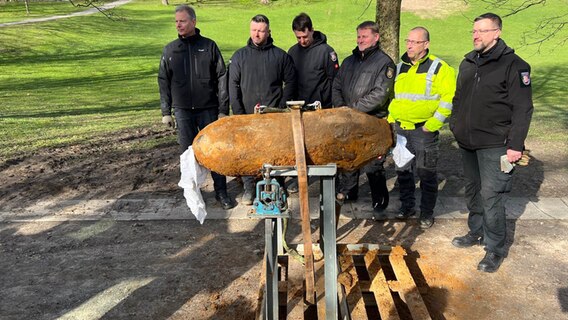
(374, 282)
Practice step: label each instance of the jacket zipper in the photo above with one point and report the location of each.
(190, 72)
(264, 55)
(476, 80)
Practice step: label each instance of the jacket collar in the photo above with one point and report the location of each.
(494, 53)
(269, 44)
(406, 60)
(192, 38)
(367, 52)
(319, 38)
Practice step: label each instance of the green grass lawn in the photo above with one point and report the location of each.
(80, 79)
(16, 11)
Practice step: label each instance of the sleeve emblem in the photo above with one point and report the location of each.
(390, 72)
(333, 56)
(525, 78)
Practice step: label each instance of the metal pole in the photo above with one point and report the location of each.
(271, 270)
(329, 245)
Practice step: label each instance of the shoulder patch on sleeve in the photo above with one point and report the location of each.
(333, 56)
(390, 72)
(525, 77)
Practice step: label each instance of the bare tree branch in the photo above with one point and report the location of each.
(547, 29)
(550, 27)
(510, 6)
(524, 6)
(367, 7)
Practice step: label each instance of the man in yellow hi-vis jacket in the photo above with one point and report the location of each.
(424, 88)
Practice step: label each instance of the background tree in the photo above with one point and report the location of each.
(388, 18)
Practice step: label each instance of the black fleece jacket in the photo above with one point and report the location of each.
(192, 75)
(262, 75)
(316, 67)
(493, 104)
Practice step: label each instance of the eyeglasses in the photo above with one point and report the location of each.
(413, 42)
(483, 31)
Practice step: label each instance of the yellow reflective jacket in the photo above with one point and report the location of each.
(423, 93)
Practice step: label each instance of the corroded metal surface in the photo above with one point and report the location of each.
(240, 145)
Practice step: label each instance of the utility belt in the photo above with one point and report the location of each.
(407, 127)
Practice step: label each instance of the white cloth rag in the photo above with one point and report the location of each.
(400, 154)
(193, 176)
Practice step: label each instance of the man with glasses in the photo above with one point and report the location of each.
(365, 83)
(491, 117)
(424, 88)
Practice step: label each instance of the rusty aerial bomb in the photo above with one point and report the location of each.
(239, 145)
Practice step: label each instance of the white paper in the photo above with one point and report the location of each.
(193, 176)
(400, 154)
(506, 166)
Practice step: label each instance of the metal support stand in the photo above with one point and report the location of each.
(271, 249)
(328, 239)
(273, 239)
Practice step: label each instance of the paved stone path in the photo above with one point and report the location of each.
(175, 208)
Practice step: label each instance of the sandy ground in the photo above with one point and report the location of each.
(181, 270)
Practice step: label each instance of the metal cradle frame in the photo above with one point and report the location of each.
(274, 246)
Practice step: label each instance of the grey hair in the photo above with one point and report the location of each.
(190, 11)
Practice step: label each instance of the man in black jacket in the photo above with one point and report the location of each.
(260, 73)
(316, 62)
(192, 80)
(365, 82)
(316, 66)
(490, 120)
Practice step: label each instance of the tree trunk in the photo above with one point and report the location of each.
(264, 1)
(165, 2)
(388, 18)
(27, 6)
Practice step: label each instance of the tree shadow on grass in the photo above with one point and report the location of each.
(550, 96)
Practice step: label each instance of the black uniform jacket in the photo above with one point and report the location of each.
(365, 81)
(192, 75)
(316, 67)
(493, 105)
(262, 75)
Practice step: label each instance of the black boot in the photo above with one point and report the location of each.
(224, 200)
(490, 263)
(469, 240)
(379, 191)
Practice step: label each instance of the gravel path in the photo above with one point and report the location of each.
(75, 14)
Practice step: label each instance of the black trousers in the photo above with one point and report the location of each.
(485, 186)
(347, 183)
(189, 123)
(425, 147)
